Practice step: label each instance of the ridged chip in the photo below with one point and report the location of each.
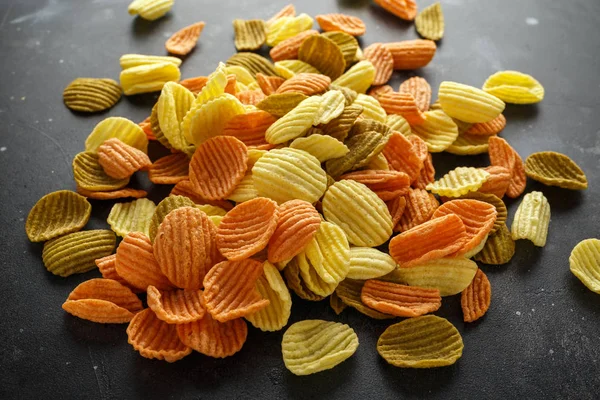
(147, 128)
(116, 127)
(167, 205)
(296, 283)
(288, 49)
(514, 87)
(363, 148)
(420, 89)
(244, 191)
(584, 263)
(305, 83)
(184, 188)
(279, 104)
(532, 219)
(311, 278)
(148, 78)
(420, 206)
(249, 34)
(412, 54)
(106, 266)
(91, 94)
(475, 299)
(396, 208)
(489, 128)
(492, 199)
(290, 68)
(498, 249)
(503, 155)
(369, 263)
(341, 22)
(135, 60)
(332, 106)
(213, 338)
(498, 182)
(173, 104)
(150, 9)
(340, 126)
(347, 43)
(250, 128)
(468, 103)
(385, 184)
(555, 169)
(430, 22)
(371, 108)
(170, 170)
(254, 63)
(328, 253)
(184, 40)
(323, 54)
(400, 300)
(286, 27)
(272, 287)
(336, 303)
(111, 195)
(382, 60)
(176, 306)
(287, 11)
(401, 156)
(459, 181)
(398, 123)
(404, 9)
(438, 131)
(349, 292)
(207, 120)
(359, 77)
(427, 174)
(100, 311)
(134, 216)
(349, 94)
(404, 104)
(119, 160)
(322, 147)
(466, 144)
(296, 122)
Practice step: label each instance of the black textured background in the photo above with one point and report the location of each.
(541, 336)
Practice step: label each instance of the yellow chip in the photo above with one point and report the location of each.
(379, 162)
(253, 156)
(371, 108)
(468, 103)
(249, 34)
(347, 44)
(336, 303)
(459, 181)
(91, 94)
(422, 342)
(368, 263)
(134, 216)
(312, 280)
(242, 75)
(585, 263)
(173, 104)
(398, 124)
(361, 214)
(167, 205)
(363, 148)
(290, 68)
(438, 131)
(288, 174)
(467, 145)
(272, 287)
(279, 104)
(324, 55)
(349, 94)
(150, 9)
(123, 129)
(498, 249)
(312, 346)
(296, 122)
(148, 78)
(532, 219)
(323, 147)
(215, 86)
(286, 27)
(295, 282)
(245, 190)
(254, 63)
(90, 175)
(332, 106)
(349, 291)
(358, 78)
(135, 60)
(430, 22)
(340, 126)
(514, 87)
(216, 219)
(211, 210)
(555, 169)
(329, 253)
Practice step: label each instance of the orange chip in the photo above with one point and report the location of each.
(287, 11)
(107, 290)
(385, 184)
(195, 84)
(185, 39)
(297, 224)
(288, 49)
(403, 104)
(247, 228)
(185, 247)
(120, 160)
(420, 206)
(405, 9)
(412, 54)
(185, 188)
(305, 83)
(115, 194)
(427, 174)
(400, 300)
(502, 154)
(382, 60)
(136, 263)
(170, 169)
(498, 181)
(429, 241)
(477, 216)
(269, 84)
(250, 97)
(250, 128)
(154, 338)
(419, 146)
(489, 128)
(100, 311)
(147, 128)
(341, 22)
(396, 208)
(230, 289)
(218, 165)
(106, 266)
(213, 338)
(475, 299)
(231, 85)
(377, 91)
(176, 306)
(420, 90)
(402, 156)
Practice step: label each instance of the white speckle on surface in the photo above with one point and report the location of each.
(50, 10)
(533, 310)
(583, 318)
(23, 98)
(531, 21)
(52, 172)
(21, 330)
(518, 313)
(167, 34)
(3, 148)
(68, 362)
(61, 61)
(37, 122)
(551, 352)
(95, 367)
(49, 119)
(18, 29)
(552, 304)
(12, 97)
(21, 219)
(571, 310)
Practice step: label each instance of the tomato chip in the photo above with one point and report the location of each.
(498, 181)
(489, 128)
(167, 205)
(382, 60)
(405, 9)
(403, 104)
(213, 338)
(308, 84)
(400, 300)
(106, 266)
(420, 206)
(170, 170)
(420, 90)
(176, 306)
(503, 155)
(287, 11)
(349, 291)
(268, 84)
(185, 189)
(385, 184)
(475, 299)
(108, 290)
(341, 22)
(412, 54)
(120, 160)
(402, 156)
(184, 40)
(288, 49)
(111, 195)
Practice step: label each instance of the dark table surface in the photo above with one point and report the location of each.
(541, 335)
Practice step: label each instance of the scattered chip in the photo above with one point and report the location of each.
(176, 306)
(459, 181)
(503, 155)
(514, 87)
(340, 127)
(288, 49)
(341, 22)
(404, 9)
(475, 299)
(532, 219)
(427, 174)
(103, 301)
(584, 263)
(213, 338)
(404, 104)
(290, 68)
(311, 277)
(438, 130)
(349, 292)
(347, 43)
(498, 249)
(286, 27)
(498, 182)
(369, 263)
(359, 77)
(253, 63)
(412, 54)
(249, 34)
(107, 268)
(363, 148)
(207, 120)
(119, 160)
(400, 300)
(111, 195)
(279, 104)
(272, 287)
(296, 122)
(305, 83)
(420, 206)
(430, 22)
(184, 40)
(328, 253)
(135, 60)
(467, 103)
(148, 78)
(116, 127)
(385, 184)
(382, 60)
(401, 156)
(555, 169)
(134, 216)
(489, 128)
(468, 145)
(323, 54)
(91, 94)
(173, 104)
(297, 284)
(332, 106)
(170, 170)
(287, 11)
(420, 90)
(372, 109)
(150, 9)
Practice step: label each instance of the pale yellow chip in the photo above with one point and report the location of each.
(253, 156)
(368, 263)
(585, 263)
(312, 280)
(173, 104)
(358, 78)
(216, 219)
(215, 86)
(211, 210)
(312, 346)
(397, 123)
(329, 253)
(150, 9)
(148, 78)
(514, 87)
(129, 217)
(289, 68)
(123, 129)
(332, 106)
(467, 103)
(245, 190)
(532, 219)
(438, 131)
(379, 162)
(371, 108)
(430, 22)
(459, 181)
(288, 174)
(323, 147)
(362, 215)
(286, 27)
(296, 122)
(135, 60)
(467, 145)
(272, 287)
(242, 75)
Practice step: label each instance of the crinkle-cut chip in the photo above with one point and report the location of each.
(328, 252)
(100, 311)
(420, 206)
(75, 253)
(207, 120)
(322, 147)
(382, 60)
(420, 90)
(424, 342)
(244, 191)
(349, 94)
(272, 287)
(296, 122)
(213, 338)
(492, 199)
(363, 148)
(286, 27)
(427, 174)
(288, 49)
(218, 165)
(230, 290)
(169, 170)
(279, 104)
(398, 123)
(430, 22)
(385, 184)
(185, 247)
(401, 156)
(268, 84)
(249, 34)
(111, 195)
(116, 127)
(378, 163)
(297, 224)
(249, 128)
(296, 283)
(91, 94)
(361, 214)
(438, 130)
(371, 108)
(489, 128)
(459, 181)
(400, 300)
(498, 182)
(184, 188)
(396, 207)
(150, 9)
(347, 43)
(555, 169)
(404, 9)
(241, 74)
(532, 219)
(468, 103)
(147, 128)
(433, 239)
(135, 60)
(90, 175)
(466, 144)
(584, 263)
(477, 216)
(108, 290)
(134, 216)
(311, 279)
(173, 104)
(156, 131)
(119, 160)
(323, 54)
(503, 155)
(419, 146)
(412, 54)
(137, 265)
(462, 126)
(306, 83)
(148, 77)
(404, 104)
(210, 210)
(253, 63)
(377, 91)
(336, 303)
(288, 174)
(287, 11)
(215, 86)
(341, 22)
(312, 346)
(56, 214)
(359, 77)
(475, 299)
(216, 219)
(290, 68)
(184, 40)
(176, 306)
(250, 97)
(106, 266)
(498, 249)
(247, 228)
(514, 87)
(167, 205)
(369, 263)
(349, 292)
(340, 127)
(154, 338)
(332, 106)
